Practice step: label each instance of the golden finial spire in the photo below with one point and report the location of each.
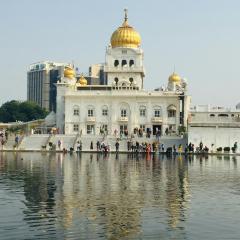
(125, 23)
(126, 14)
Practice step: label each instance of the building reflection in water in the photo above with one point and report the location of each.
(177, 189)
(102, 195)
(113, 192)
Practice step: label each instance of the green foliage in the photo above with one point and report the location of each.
(21, 111)
(181, 129)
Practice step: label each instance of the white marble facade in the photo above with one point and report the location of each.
(118, 110)
(122, 103)
(214, 126)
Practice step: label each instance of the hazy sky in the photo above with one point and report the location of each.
(201, 38)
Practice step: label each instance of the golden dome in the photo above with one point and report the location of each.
(69, 72)
(82, 81)
(125, 36)
(174, 78)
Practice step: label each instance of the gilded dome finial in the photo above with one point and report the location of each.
(82, 81)
(125, 36)
(174, 77)
(126, 14)
(125, 23)
(69, 72)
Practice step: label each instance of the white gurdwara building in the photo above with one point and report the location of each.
(121, 104)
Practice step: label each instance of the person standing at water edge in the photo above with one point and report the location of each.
(235, 146)
(117, 146)
(98, 146)
(59, 144)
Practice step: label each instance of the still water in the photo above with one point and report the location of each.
(90, 196)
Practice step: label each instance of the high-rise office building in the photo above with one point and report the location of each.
(97, 75)
(41, 80)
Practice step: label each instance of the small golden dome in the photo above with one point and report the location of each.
(125, 36)
(82, 81)
(69, 72)
(174, 78)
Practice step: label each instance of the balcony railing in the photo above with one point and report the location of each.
(216, 119)
(123, 119)
(91, 119)
(156, 119)
(123, 69)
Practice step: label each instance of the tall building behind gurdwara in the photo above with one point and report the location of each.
(41, 83)
(118, 103)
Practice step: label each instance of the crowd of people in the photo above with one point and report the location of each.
(134, 144)
(156, 146)
(134, 147)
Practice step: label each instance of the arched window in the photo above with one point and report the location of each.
(76, 110)
(142, 111)
(212, 115)
(116, 80)
(124, 109)
(124, 63)
(90, 111)
(123, 112)
(171, 111)
(157, 111)
(131, 63)
(105, 111)
(223, 115)
(116, 63)
(131, 81)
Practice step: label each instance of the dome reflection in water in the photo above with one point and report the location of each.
(95, 196)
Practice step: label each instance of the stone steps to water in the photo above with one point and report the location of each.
(33, 142)
(10, 144)
(67, 141)
(41, 142)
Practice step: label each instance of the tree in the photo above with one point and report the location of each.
(13, 111)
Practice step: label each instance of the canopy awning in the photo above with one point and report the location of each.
(172, 107)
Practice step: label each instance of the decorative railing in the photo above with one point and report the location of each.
(124, 69)
(215, 119)
(91, 119)
(156, 119)
(123, 119)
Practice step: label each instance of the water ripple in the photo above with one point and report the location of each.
(88, 196)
